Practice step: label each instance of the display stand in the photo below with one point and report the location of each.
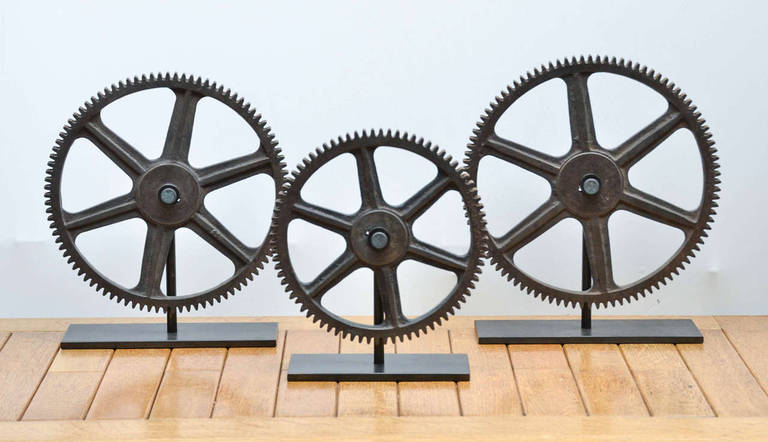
(603, 331)
(171, 334)
(379, 366)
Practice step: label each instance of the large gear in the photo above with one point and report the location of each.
(586, 160)
(167, 192)
(362, 229)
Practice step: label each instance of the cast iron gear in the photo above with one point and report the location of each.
(167, 192)
(378, 236)
(590, 182)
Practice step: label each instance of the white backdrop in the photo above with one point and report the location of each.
(317, 70)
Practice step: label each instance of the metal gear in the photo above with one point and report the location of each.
(167, 192)
(378, 236)
(590, 182)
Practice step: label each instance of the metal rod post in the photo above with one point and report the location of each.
(378, 318)
(586, 284)
(170, 285)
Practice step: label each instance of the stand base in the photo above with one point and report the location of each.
(396, 367)
(189, 335)
(603, 331)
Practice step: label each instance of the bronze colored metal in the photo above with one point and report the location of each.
(155, 184)
(379, 236)
(590, 182)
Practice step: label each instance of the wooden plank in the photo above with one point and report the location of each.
(604, 380)
(290, 322)
(428, 398)
(4, 337)
(69, 386)
(366, 398)
(189, 384)
(249, 381)
(399, 428)
(492, 390)
(306, 398)
(547, 386)
(130, 384)
(749, 335)
(664, 381)
(728, 385)
(24, 359)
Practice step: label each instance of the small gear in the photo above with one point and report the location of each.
(589, 182)
(167, 192)
(378, 236)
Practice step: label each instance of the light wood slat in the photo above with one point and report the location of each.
(428, 398)
(604, 380)
(293, 322)
(547, 386)
(749, 336)
(366, 398)
(398, 428)
(24, 359)
(249, 382)
(130, 383)
(728, 385)
(664, 381)
(491, 390)
(69, 386)
(189, 385)
(306, 398)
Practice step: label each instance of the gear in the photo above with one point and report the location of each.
(379, 236)
(167, 192)
(590, 183)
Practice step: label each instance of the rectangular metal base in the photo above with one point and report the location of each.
(189, 334)
(603, 331)
(396, 367)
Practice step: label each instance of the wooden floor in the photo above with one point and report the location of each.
(599, 390)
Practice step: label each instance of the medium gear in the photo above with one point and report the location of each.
(590, 182)
(167, 193)
(378, 236)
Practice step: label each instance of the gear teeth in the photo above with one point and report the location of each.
(61, 147)
(305, 168)
(674, 95)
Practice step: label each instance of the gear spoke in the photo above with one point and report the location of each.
(415, 206)
(532, 226)
(339, 269)
(437, 257)
(125, 156)
(651, 207)
(231, 171)
(387, 287)
(532, 160)
(104, 214)
(643, 142)
(580, 112)
(214, 233)
(156, 247)
(325, 218)
(370, 189)
(179, 135)
(597, 241)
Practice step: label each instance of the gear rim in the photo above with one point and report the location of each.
(291, 194)
(690, 119)
(90, 110)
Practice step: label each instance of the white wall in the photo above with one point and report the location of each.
(316, 70)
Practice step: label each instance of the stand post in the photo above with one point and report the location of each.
(586, 284)
(170, 286)
(378, 318)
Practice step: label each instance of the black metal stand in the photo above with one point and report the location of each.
(171, 334)
(377, 367)
(604, 331)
